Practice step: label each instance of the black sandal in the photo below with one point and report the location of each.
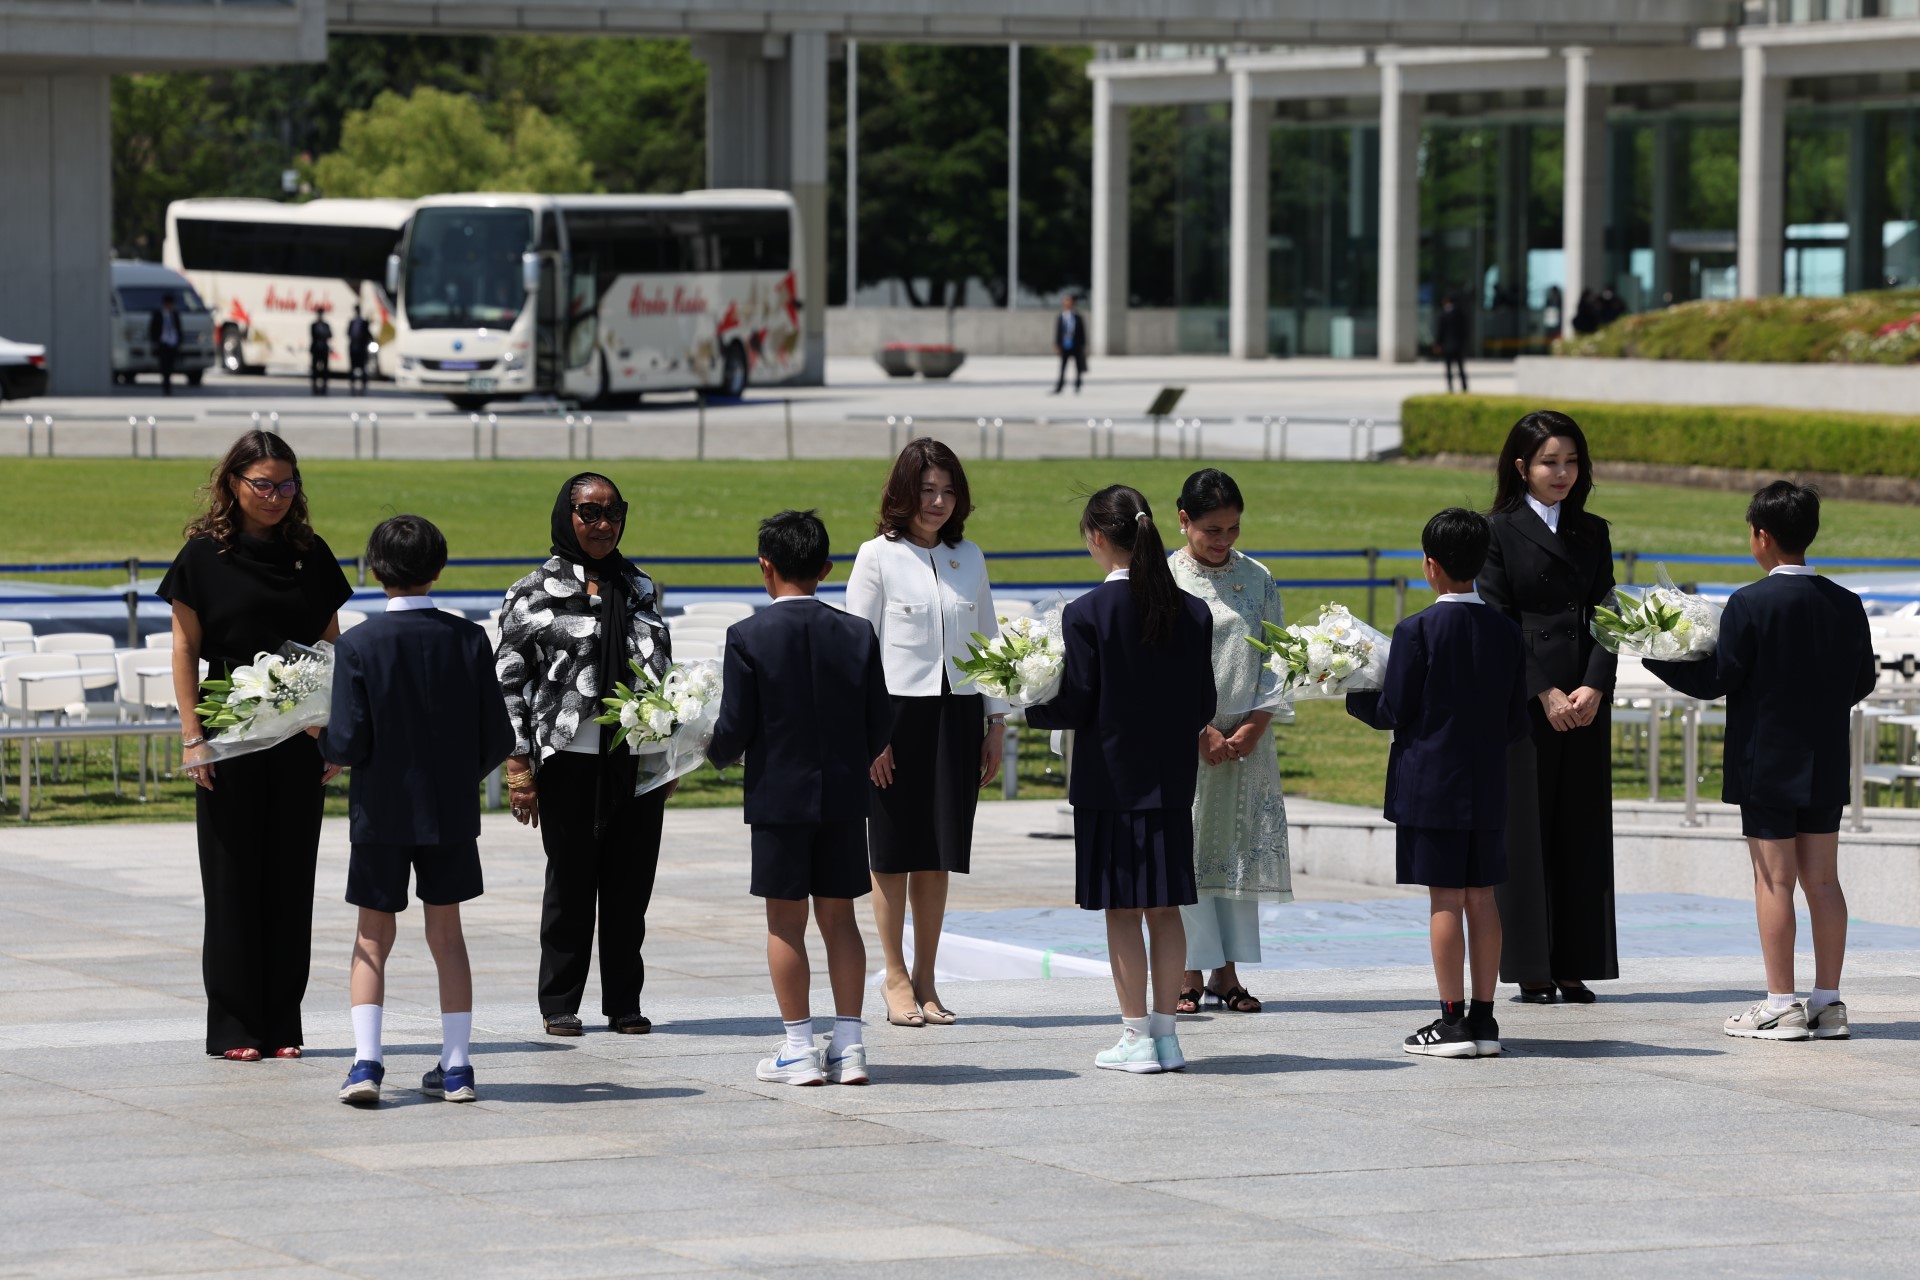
(1236, 999)
(630, 1024)
(562, 1024)
(1189, 1001)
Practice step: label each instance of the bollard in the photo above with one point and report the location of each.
(1108, 423)
(29, 418)
(356, 435)
(569, 437)
(133, 436)
(588, 424)
(1093, 438)
(1199, 441)
(1156, 437)
(1373, 572)
(133, 604)
(493, 429)
(982, 424)
(256, 419)
(1000, 433)
(473, 420)
(153, 436)
(891, 447)
(373, 431)
(273, 421)
(46, 421)
(788, 408)
(1283, 437)
(1353, 439)
(1370, 452)
(1266, 437)
(1399, 601)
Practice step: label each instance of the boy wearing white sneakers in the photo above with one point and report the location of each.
(1794, 656)
(805, 702)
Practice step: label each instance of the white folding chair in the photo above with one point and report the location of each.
(351, 618)
(16, 637)
(730, 611)
(43, 688)
(159, 640)
(688, 650)
(95, 650)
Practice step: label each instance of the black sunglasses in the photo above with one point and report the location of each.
(595, 512)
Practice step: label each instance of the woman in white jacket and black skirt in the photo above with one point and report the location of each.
(924, 588)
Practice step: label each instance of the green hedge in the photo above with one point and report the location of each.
(1879, 327)
(1678, 435)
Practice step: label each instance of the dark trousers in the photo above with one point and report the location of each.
(1079, 359)
(317, 375)
(613, 872)
(357, 375)
(167, 356)
(1556, 907)
(1455, 362)
(259, 833)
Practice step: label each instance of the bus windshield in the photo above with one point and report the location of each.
(463, 267)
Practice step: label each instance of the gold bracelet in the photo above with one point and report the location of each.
(515, 781)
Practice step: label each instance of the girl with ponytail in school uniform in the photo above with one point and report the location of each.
(1138, 690)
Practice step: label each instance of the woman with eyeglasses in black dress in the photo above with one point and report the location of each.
(252, 576)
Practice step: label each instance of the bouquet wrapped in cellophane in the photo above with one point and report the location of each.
(1329, 658)
(667, 721)
(1665, 623)
(260, 704)
(1023, 665)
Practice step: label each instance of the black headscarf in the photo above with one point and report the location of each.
(615, 574)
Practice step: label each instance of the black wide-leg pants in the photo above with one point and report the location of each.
(259, 836)
(613, 873)
(1556, 907)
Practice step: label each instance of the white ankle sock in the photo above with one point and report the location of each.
(456, 1038)
(1159, 1024)
(799, 1037)
(846, 1033)
(366, 1033)
(1139, 1026)
(1779, 1003)
(1822, 997)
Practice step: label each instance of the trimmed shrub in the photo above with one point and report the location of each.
(1878, 327)
(1678, 435)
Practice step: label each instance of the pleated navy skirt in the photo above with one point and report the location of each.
(1140, 858)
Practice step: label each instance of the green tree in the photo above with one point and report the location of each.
(434, 141)
(173, 137)
(638, 107)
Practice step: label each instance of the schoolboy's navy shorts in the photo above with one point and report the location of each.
(443, 874)
(810, 860)
(1766, 822)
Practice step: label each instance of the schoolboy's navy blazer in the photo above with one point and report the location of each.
(1794, 656)
(419, 718)
(805, 701)
(1140, 709)
(1455, 697)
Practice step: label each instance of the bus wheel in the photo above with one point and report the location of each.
(733, 376)
(469, 403)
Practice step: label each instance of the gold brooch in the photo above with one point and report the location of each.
(953, 564)
(1239, 586)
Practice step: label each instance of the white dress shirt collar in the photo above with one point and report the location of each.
(1549, 515)
(780, 599)
(1118, 575)
(1459, 597)
(1794, 571)
(400, 604)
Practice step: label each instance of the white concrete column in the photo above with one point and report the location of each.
(56, 224)
(1248, 222)
(1584, 186)
(1763, 184)
(1111, 153)
(1399, 217)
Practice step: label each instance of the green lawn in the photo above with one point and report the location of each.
(84, 509)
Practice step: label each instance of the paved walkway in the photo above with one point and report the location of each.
(1627, 1134)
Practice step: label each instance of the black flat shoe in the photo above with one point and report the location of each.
(1578, 993)
(630, 1024)
(563, 1024)
(1535, 995)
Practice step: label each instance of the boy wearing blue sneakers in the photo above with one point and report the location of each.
(806, 703)
(1455, 697)
(418, 717)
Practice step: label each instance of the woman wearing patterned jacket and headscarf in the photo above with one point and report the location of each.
(567, 633)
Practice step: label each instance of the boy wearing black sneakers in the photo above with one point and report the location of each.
(1455, 697)
(806, 703)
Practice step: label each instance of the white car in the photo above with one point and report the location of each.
(23, 370)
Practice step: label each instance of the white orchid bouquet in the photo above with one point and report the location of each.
(1023, 665)
(1665, 623)
(262, 703)
(666, 720)
(1330, 658)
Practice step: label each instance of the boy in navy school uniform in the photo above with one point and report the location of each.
(805, 702)
(1455, 696)
(1795, 655)
(419, 718)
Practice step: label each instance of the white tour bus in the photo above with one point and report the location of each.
(264, 268)
(585, 297)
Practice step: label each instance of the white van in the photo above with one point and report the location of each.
(137, 290)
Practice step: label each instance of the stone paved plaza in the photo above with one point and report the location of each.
(1627, 1135)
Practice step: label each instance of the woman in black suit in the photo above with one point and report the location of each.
(1550, 563)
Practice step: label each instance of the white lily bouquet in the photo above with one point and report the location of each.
(262, 703)
(667, 721)
(1665, 623)
(1335, 656)
(1023, 665)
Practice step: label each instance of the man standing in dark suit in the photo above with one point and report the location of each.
(1455, 696)
(1070, 344)
(419, 718)
(805, 702)
(1450, 341)
(319, 351)
(359, 347)
(163, 332)
(1794, 657)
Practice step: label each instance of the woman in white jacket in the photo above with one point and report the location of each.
(924, 588)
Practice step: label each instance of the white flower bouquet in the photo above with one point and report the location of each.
(1665, 623)
(667, 721)
(1330, 658)
(1023, 665)
(262, 703)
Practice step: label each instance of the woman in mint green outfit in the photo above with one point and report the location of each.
(1239, 818)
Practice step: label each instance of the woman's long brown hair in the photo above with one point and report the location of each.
(220, 515)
